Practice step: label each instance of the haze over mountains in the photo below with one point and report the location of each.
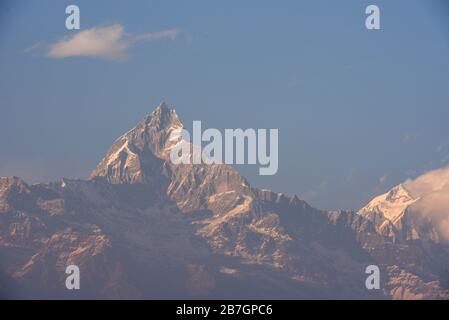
(141, 227)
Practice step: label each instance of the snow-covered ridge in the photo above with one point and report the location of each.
(142, 224)
(391, 204)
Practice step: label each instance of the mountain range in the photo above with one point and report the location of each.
(143, 228)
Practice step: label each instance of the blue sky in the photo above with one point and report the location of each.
(358, 111)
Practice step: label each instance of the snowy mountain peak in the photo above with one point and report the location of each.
(163, 118)
(415, 209)
(137, 154)
(391, 205)
(162, 106)
(399, 193)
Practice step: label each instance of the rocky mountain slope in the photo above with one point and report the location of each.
(142, 227)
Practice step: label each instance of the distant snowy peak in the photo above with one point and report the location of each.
(156, 131)
(142, 156)
(164, 118)
(402, 215)
(391, 205)
(138, 155)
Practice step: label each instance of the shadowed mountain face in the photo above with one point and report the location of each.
(142, 227)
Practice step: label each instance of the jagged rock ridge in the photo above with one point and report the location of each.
(142, 227)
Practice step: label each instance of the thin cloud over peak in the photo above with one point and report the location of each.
(432, 190)
(110, 42)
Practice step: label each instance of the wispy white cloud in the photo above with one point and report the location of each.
(432, 190)
(383, 179)
(110, 42)
(153, 36)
